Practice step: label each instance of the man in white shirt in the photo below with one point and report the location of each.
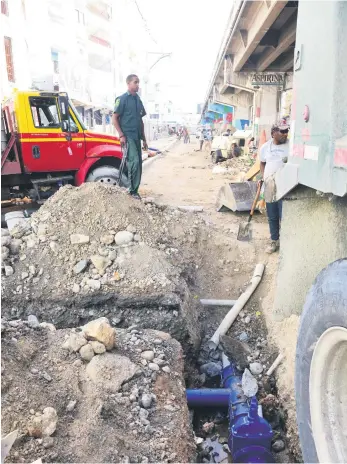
(273, 155)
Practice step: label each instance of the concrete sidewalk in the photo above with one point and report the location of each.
(163, 144)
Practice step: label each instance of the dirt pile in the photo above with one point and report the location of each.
(73, 398)
(96, 238)
(234, 168)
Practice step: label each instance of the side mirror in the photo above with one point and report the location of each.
(65, 126)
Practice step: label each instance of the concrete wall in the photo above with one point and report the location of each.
(313, 235)
(267, 101)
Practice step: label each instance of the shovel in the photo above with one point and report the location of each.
(245, 232)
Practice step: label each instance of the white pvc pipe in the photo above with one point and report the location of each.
(218, 302)
(240, 303)
(192, 209)
(275, 364)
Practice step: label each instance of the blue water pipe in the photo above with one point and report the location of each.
(250, 434)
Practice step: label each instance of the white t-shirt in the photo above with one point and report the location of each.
(273, 155)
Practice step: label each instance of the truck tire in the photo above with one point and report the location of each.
(108, 175)
(321, 368)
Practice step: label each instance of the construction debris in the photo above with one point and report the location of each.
(78, 415)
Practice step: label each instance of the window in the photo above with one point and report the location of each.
(55, 60)
(9, 59)
(4, 7)
(80, 17)
(45, 112)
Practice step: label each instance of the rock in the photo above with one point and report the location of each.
(256, 368)
(80, 266)
(48, 442)
(32, 270)
(153, 367)
(5, 232)
(42, 230)
(146, 400)
(137, 238)
(212, 369)
(208, 427)
(148, 355)
(46, 376)
(79, 239)
(166, 369)
(235, 350)
(100, 262)
(107, 239)
(87, 352)
(247, 320)
(94, 284)
(71, 405)
(249, 384)
(43, 425)
(5, 252)
(49, 326)
(54, 247)
(243, 337)
(33, 322)
(112, 255)
(278, 446)
(24, 275)
(15, 246)
(98, 347)
(109, 371)
(131, 229)
(6, 241)
(9, 271)
(75, 342)
(124, 237)
(101, 331)
(76, 288)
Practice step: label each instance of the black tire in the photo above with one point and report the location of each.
(108, 175)
(213, 157)
(325, 307)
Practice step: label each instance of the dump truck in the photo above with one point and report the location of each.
(312, 274)
(44, 144)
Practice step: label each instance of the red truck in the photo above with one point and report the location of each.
(45, 145)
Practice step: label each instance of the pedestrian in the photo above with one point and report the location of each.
(201, 139)
(127, 119)
(273, 155)
(235, 150)
(208, 139)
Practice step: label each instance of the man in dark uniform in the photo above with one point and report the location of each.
(127, 119)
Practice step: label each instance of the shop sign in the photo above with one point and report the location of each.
(268, 78)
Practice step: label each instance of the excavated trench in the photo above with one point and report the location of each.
(180, 315)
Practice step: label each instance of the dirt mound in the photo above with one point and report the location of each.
(96, 238)
(73, 402)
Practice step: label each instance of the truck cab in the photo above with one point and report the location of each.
(46, 142)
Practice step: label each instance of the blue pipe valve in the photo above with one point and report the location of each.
(250, 437)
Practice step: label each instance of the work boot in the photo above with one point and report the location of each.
(273, 247)
(136, 196)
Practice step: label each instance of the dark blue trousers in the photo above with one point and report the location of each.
(274, 216)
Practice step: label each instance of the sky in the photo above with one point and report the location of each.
(193, 34)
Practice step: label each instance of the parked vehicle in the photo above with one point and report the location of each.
(313, 253)
(45, 144)
(224, 141)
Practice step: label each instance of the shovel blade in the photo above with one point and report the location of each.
(245, 232)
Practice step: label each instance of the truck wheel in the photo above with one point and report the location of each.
(321, 368)
(108, 175)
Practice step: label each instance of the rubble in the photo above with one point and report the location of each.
(90, 403)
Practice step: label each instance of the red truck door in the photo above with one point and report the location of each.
(46, 148)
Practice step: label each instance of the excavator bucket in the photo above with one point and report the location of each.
(237, 197)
